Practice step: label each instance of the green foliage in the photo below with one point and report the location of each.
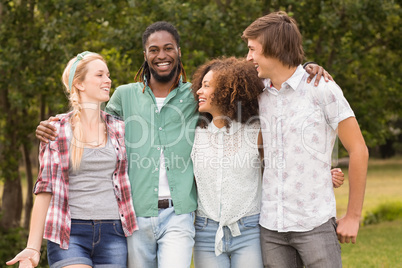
(13, 241)
(385, 212)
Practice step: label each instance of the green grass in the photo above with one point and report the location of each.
(378, 245)
(384, 184)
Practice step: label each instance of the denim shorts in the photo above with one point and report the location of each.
(98, 243)
(238, 252)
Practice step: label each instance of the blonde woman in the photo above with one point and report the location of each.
(83, 205)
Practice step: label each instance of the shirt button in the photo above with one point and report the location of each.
(156, 189)
(156, 111)
(159, 148)
(156, 169)
(160, 128)
(181, 100)
(115, 174)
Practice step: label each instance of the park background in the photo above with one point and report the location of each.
(357, 41)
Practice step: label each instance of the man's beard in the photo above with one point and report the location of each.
(164, 78)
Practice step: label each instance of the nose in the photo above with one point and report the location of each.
(162, 54)
(108, 80)
(199, 91)
(249, 56)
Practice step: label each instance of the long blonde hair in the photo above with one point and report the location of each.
(77, 145)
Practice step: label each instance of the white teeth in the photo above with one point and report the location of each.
(163, 64)
(201, 100)
(106, 89)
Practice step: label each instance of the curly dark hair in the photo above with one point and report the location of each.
(237, 87)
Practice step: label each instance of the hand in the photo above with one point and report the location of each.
(315, 69)
(347, 229)
(45, 131)
(28, 258)
(337, 177)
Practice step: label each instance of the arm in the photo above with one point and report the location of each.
(314, 69)
(45, 131)
(30, 256)
(350, 135)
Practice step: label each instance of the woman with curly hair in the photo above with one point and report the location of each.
(227, 165)
(227, 155)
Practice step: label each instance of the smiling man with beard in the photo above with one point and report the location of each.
(160, 115)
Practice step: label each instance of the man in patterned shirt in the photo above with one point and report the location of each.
(299, 125)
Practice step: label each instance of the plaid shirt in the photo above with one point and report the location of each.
(53, 178)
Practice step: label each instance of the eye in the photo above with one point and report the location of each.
(152, 50)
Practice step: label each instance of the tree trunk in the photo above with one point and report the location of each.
(12, 194)
(12, 203)
(29, 196)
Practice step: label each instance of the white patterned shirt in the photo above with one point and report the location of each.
(227, 169)
(299, 124)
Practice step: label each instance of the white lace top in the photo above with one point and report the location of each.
(227, 171)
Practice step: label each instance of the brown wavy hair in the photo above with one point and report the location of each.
(279, 36)
(237, 87)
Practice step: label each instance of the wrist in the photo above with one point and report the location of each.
(34, 249)
(307, 63)
(353, 216)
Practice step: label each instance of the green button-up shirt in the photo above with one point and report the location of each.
(148, 131)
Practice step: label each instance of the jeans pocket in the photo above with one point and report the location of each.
(200, 223)
(118, 229)
(250, 222)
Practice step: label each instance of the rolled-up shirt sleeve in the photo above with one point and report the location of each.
(48, 166)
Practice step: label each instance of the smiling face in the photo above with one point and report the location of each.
(205, 96)
(96, 85)
(264, 65)
(163, 56)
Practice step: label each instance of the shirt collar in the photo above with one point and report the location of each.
(234, 127)
(293, 81)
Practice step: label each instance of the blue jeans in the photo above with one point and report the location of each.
(316, 248)
(238, 252)
(98, 243)
(165, 241)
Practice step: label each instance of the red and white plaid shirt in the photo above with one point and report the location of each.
(53, 178)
